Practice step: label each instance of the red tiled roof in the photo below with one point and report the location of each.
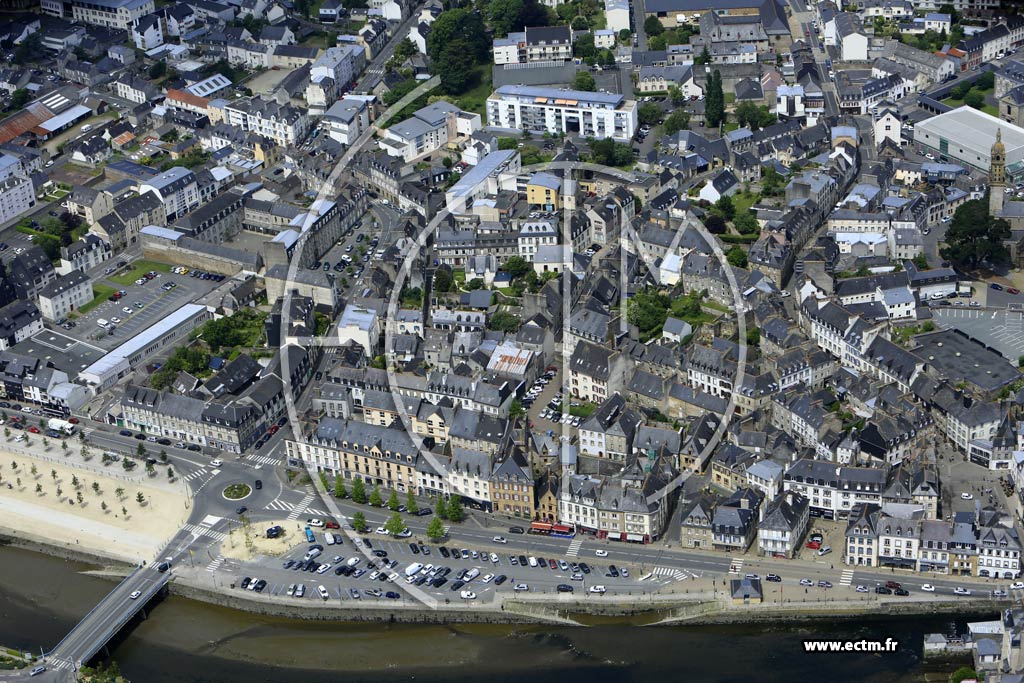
(186, 97)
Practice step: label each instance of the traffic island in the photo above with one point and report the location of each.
(237, 491)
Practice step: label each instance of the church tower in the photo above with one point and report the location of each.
(997, 175)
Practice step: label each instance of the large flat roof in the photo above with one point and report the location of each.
(479, 173)
(972, 128)
(958, 356)
(562, 96)
(142, 339)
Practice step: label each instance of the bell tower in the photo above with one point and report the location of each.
(997, 175)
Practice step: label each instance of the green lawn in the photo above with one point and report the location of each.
(730, 97)
(744, 200)
(138, 269)
(102, 293)
(475, 100)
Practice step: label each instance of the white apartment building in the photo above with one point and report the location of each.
(535, 234)
(65, 294)
(119, 14)
(282, 123)
(16, 192)
(177, 188)
(346, 119)
(570, 112)
(427, 130)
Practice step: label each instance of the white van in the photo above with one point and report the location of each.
(314, 552)
(413, 569)
(102, 322)
(329, 538)
(352, 561)
(532, 560)
(86, 128)
(471, 574)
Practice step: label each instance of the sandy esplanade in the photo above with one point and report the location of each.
(235, 546)
(137, 536)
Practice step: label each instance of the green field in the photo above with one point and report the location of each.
(475, 100)
(102, 293)
(138, 269)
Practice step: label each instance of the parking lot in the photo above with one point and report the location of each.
(148, 304)
(386, 559)
(1003, 330)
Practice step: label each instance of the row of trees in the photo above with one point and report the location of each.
(457, 44)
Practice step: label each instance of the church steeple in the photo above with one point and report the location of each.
(997, 174)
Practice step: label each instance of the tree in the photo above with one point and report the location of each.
(410, 502)
(516, 266)
(339, 487)
(435, 530)
(20, 98)
(163, 455)
(457, 73)
(393, 501)
(726, 207)
(736, 256)
(376, 500)
(584, 80)
(455, 511)
(359, 522)
(516, 410)
(140, 450)
(974, 99)
(405, 49)
(53, 474)
(503, 321)
(34, 470)
(975, 237)
(441, 508)
(457, 25)
(771, 181)
(442, 280)
(504, 15)
(124, 511)
(714, 101)
(608, 152)
(358, 490)
(74, 482)
(103, 505)
(754, 116)
(625, 35)
(139, 498)
(648, 113)
(78, 496)
(676, 96)
(653, 27)
(395, 524)
(584, 48)
(986, 81)
(715, 224)
(96, 487)
(7, 433)
(39, 488)
(170, 473)
(962, 674)
(64, 447)
(746, 223)
(158, 70)
(703, 58)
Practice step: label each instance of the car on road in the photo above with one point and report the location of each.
(37, 670)
(862, 589)
(601, 553)
(806, 582)
(824, 584)
(564, 588)
(216, 462)
(134, 595)
(996, 286)
(516, 530)
(883, 590)
(902, 592)
(193, 447)
(1012, 290)
(774, 578)
(313, 521)
(521, 588)
(960, 590)
(467, 595)
(1017, 586)
(999, 593)
(967, 496)
(598, 590)
(499, 539)
(928, 588)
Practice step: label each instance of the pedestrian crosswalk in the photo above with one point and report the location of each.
(736, 566)
(574, 548)
(301, 507)
(260, 460)
(198, 530)
(298, 510)
(847, 578)
(215, 563)
(196, 474)
(671, 572)
(60, 664)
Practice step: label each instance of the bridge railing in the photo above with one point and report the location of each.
(81, 621)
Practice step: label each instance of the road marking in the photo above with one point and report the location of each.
(736, 566)
(198, 531)
(262, 460)
(210, 520)
(215, 563)
(301, 507)
(574, 548)
(847, 578)
(195, 475)
(672, 572)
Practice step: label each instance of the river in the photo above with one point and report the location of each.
(191, 642)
